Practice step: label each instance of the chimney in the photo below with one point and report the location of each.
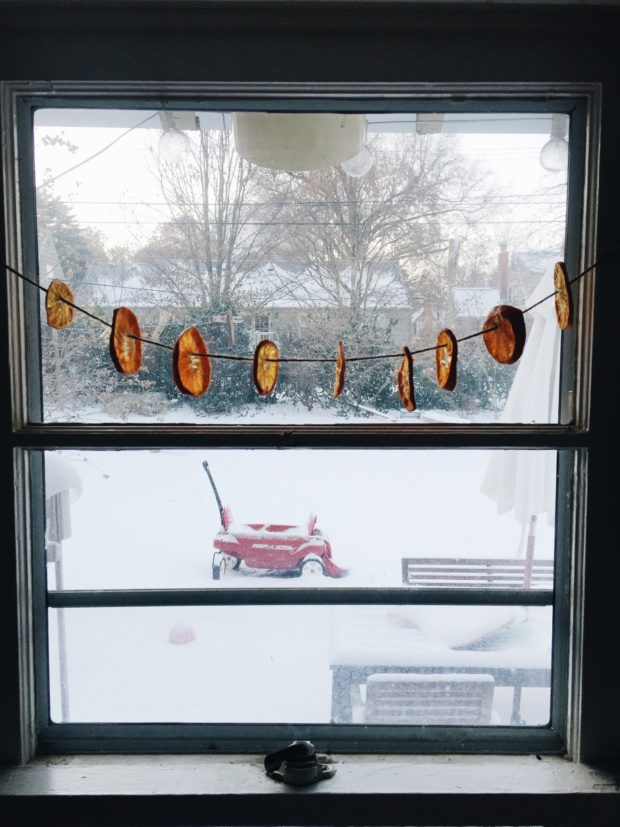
(502, 272)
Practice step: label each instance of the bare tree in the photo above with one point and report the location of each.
(345, 229)
(217, 229)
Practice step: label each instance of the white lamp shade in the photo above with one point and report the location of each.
(359, 165)
(554, 155)
(173, 145)
(295, 142)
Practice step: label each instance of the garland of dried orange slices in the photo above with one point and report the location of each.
(503, 333)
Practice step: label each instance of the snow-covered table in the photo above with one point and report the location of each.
(509, 643)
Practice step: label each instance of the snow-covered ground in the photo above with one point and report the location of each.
(258, 413)
(146, 519)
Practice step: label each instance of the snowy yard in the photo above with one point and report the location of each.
(147, 520)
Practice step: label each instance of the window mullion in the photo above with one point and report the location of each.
(82, 599)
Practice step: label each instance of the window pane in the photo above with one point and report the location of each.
(331, 518)
(159, 212)
(302, 664)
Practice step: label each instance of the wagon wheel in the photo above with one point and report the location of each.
(219, 569)
(311, 569)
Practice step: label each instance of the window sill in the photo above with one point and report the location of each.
(366, 790)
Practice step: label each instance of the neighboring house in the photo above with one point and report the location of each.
(276, 298)
(516, 276)
(110, 284)
(114, 284)
(281, 297)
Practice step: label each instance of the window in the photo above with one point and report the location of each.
(231, 568)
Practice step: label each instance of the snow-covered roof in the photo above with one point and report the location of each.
(272, 285)
(474, 301)
(112, 284)
(290, 284)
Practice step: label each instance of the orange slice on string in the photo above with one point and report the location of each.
(340, 371)
(405, 381)
(191, 366)
(59, 313)
(504, 334)
(446, 356)
(264, 369)
(563, 296)
(125, 341)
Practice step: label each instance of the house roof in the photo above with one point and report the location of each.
(290, 284)
(111, 284)
(277, 284)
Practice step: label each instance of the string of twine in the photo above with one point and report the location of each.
(307, 359)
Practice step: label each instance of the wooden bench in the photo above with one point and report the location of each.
(448, 700)
(482, 573)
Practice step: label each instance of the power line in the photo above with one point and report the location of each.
(96, 154)
(526, 201)
(506, 221)
(612, 251)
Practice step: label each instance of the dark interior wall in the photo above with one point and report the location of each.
(371, 42)
(305, 41)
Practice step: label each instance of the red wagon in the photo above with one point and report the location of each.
(287, 550)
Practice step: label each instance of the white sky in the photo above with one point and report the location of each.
(117, 193)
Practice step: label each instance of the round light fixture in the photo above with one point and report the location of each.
(173, 145)
(359, 165)
(554, 154)
(301, 141)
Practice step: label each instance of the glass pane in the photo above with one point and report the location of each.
(330, 518)
(302, 664)
(178, 216)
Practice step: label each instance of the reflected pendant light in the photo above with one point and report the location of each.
(298, 141)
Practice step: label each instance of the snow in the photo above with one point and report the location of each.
(444, 636)
(282, 412)
(455, 678)
(146, 519)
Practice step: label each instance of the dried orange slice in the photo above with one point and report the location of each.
(405, 380)
(563, 296)
(125, 342)
(504, 334)
(446, 356)
(59, 313)
(265, 372)
(191, 366)
(340, 371)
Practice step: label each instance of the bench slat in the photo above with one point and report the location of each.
(488, 573)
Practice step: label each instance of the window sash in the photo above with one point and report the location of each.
(423, 101)
(552, 739)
